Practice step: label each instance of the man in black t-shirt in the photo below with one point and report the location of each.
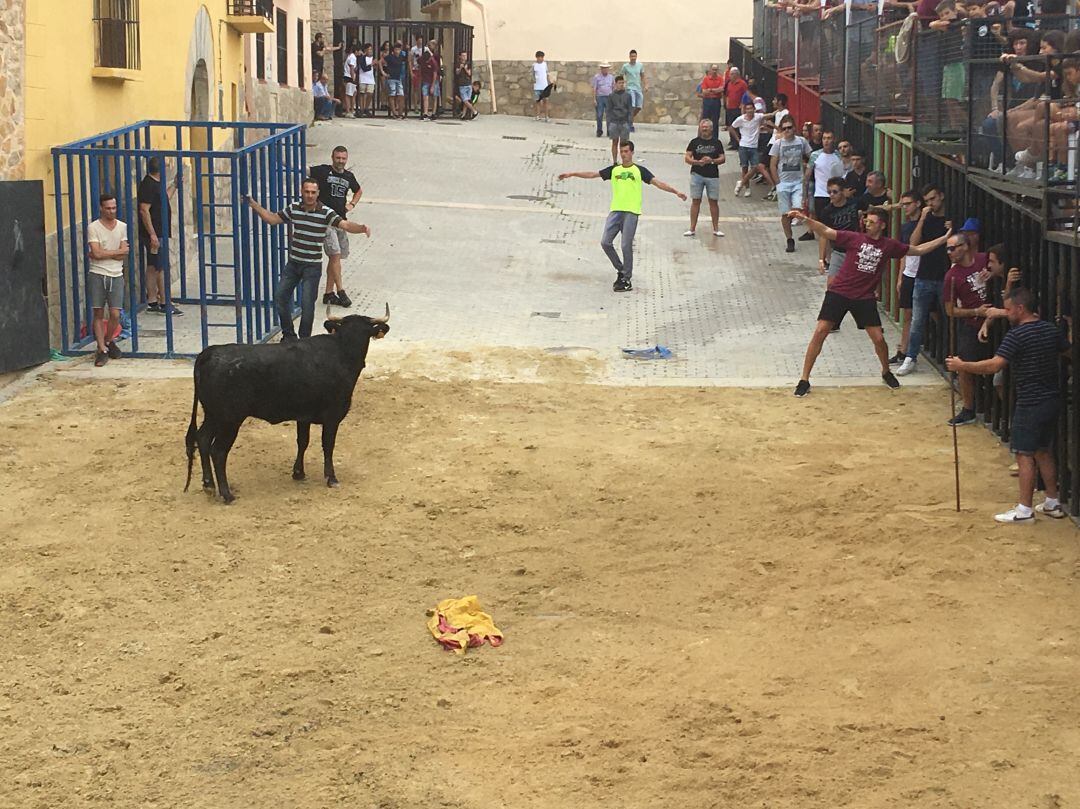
(1031, 349)
(856, 178)
(926, 296)
(153, 237)
(335, 184)
(876, 194)
(704, 155)
(840, 214)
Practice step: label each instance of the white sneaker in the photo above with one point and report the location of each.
(718, 233)
(1012, 516)
(1057, 512)
(746, 193)
(689, 233)
(738, 187)
(906, 367)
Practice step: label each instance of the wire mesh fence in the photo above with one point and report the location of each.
(833, 46)
(859, 60)
(809, 50)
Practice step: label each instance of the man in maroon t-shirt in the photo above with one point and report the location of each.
(967, 296)
(854, 289)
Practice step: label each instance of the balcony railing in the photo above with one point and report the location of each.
(252, 8)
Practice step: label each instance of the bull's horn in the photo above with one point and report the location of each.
(386, 318)
(330, 316)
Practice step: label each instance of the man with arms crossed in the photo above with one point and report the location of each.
(108, 240)
(1031, 349)
(335, 184)
(310, 221)
(626, 184)
(704, 155)
(854, 289)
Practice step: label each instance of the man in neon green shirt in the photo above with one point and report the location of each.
(626, 183)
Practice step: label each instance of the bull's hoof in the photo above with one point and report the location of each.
(332, 483)
(208, 485)
(298, 474)
(229, 499)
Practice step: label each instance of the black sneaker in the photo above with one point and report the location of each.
(329, 299)
(100, 358)
(965, 416)
(897, 358)
(802, 388)
(790, 246)
(621, 285)
(153, 307)
(169, 309)
(113, 351)
(807, 237)
(890, 380)
(343, 300)
(289, 338)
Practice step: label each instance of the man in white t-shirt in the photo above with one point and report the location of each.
(540, 85)
(351, 64)
(365, 84)
(749, 125)
(824, 164)
(108, 240)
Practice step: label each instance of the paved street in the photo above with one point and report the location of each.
(477, 245)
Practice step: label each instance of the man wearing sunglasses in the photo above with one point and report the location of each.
(840, 213)
(855, 287)
(967, 299)
(927, 294)
(787, 157)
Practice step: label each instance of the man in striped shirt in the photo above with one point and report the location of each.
(310, 221)
(1032, 349)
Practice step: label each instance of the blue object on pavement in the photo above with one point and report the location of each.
(655, 353)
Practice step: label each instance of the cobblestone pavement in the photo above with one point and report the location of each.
(478, 244)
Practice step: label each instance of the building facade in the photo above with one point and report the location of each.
(676, 40)
(278, 66)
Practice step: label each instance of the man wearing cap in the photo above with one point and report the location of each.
(970, 231)
(603, 83)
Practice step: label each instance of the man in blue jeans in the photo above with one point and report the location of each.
(310, 221)
(926, 297)
(603, 85)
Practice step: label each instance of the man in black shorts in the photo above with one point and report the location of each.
(855, 287)
(154, 221)
(1031, 349)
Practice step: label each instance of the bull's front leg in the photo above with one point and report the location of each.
(329, 435)
(303, 435)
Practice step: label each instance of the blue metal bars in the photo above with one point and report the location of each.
(223, 261)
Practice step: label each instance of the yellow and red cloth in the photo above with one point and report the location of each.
(459, 623)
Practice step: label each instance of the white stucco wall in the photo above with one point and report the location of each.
(579, 30)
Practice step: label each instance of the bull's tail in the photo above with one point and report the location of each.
(192, 430)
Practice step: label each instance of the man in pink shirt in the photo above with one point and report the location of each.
(854, 289)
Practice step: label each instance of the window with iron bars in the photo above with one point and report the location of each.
(116, 34)
(301, 49)
(282, 48)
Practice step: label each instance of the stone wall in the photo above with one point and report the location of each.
(271, 102)
(671, 97)
(12, 122)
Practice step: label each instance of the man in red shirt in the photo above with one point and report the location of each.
(734, 89)
(854, 289)
(967, 298)
(712, 96)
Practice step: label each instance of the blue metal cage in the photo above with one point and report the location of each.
(227, 261)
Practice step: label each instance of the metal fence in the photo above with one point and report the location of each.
(452, 39)
(833, 47)
(942, 88)
(808, 69)
(859, 57)
(225, 260)
(892, 79)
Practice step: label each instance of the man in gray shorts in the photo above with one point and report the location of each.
(335, 184)
(619, 112)
(704, 155)
(108, 241)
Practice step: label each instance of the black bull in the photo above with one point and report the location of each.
(310, 381)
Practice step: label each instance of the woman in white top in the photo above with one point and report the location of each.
(365, 71)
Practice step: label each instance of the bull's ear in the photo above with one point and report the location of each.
(330, 325)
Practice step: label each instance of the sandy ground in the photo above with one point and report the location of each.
(711, 598)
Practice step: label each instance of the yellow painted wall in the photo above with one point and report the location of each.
(580, 30)
(64, 103)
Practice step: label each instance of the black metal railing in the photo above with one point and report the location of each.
(452, 38)
(116, 34)
(252, 8)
